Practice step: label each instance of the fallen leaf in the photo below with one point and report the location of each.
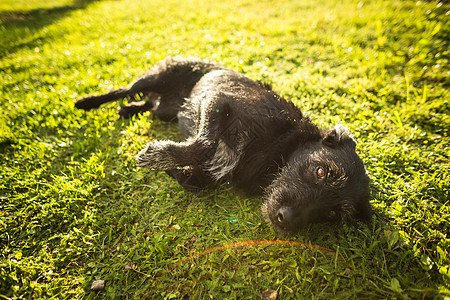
(98, 285)
(174, 227)
(269, 295)
(129, 266)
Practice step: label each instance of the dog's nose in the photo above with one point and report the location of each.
(284, 216)
(290, 219)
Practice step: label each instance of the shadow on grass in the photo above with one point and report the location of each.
(30, 22)
(373, 260)
(142, 222)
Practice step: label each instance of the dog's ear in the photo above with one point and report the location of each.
(338, 135)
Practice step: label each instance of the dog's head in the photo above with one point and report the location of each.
(322, 181)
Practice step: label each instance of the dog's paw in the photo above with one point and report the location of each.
(156, 156)
(135, 108)
(86, 103)
(127, 112)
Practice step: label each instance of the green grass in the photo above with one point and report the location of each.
(75, 208)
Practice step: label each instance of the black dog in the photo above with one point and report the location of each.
(240, 133)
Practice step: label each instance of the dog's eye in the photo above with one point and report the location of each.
(332, 214)
(320, 172)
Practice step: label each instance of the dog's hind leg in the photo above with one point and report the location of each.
(138, 89)
(172, 79)
(91, 102)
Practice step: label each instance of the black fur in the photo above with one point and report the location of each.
(240, 133)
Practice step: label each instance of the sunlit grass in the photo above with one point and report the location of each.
(74, 207)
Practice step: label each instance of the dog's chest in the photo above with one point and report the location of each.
(224, 161)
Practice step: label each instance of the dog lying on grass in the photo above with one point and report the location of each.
(239, 132)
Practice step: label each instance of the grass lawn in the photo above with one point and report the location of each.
(74, 208)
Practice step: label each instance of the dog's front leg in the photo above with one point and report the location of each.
(167, 155)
